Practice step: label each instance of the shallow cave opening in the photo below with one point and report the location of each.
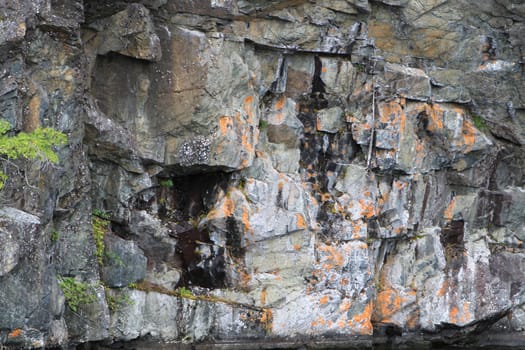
(182, 201)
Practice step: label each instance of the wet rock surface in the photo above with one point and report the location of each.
(274, 174)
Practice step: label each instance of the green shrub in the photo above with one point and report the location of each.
(479, 122)
(100, 228)
(263, 125)
(55, 235)
(36, 145)
(167, 183)
(185, 293)
(101, 214)
(116, 302)
(75, 292)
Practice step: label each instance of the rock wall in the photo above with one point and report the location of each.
(246, 171)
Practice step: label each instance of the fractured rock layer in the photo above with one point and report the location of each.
(247, 171)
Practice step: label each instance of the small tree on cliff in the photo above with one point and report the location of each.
(36, 145)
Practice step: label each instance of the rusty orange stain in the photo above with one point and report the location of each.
(324, 70)
(245, 278)
(246, 144)
(246, 219)
(324, 300)
(248, 109)
(228, 207)
(267, 317)
(296, 247)
(468, 135)
(466, 313)
(279, 104)
(367, 209)
(225, 123)
(356, 231)
(387, 304)
(328, 266)
(449, 211)
(453, 314)
(363, 320)
(264, 295)
(334, 256)
(441, 292)
(15, 333)
(318, 124)
(345, 306)
(301, 223)
(436, 115)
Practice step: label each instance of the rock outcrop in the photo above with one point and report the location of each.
(246, 171)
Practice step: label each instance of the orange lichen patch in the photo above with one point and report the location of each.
(399, 184)
(228, 207)
(245, 163)
(279, 104)
(460, 316)
(15, 333)
(246, 219)
(356, 230)
(435, 117)
(296, 247)
(318, 124)
(387, 304)
(469, 137)
(301, 222)
(466, 317)
(246, 144)
(225, 123)
(328, 266)
(248, 109)
(245, 278)
(390, 112)
(264, 295)
(336, 257)
(362, 322)
(324, 300)
(453, 314)
(266, 319)
(397, 230)
(367, 208)
(449, 211)
(324, 70)
(280, 185)
(341, 323)
(345, 306)
(443, 290)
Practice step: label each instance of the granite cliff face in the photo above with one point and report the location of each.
(261, 171)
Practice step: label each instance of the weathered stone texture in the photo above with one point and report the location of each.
(266, 170)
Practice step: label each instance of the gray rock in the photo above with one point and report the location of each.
(407, 82)
(330, 120)
(124, 262)
(129, 32)
(18, 235)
